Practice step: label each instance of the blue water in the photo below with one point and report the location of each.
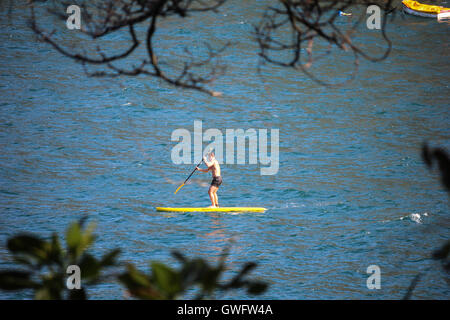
(351, 190)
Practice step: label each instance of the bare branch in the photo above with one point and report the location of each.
(308, 21)
(101, 18)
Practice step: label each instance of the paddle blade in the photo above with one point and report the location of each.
(178, 188)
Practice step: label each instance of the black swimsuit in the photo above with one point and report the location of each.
(216, 181)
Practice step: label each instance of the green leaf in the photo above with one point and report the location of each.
(55, 253)
(53, 285)
(249, 266)
(167, 280)
(78, 240)
(73, 239)
(256, 287)
(90, 268)
(26, 261)
(138, 284)
(237, 281)
(28, 250)
(87, 237)
(16, 280)
(109, 258)
(28, 245)
(442, 252)
(193, 270)
(179, 256)
(43, 294)
(210, 279)
(134, 278)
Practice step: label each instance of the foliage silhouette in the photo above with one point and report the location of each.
(44, 263)
(303, 25)
(430, 156)
(167, 283)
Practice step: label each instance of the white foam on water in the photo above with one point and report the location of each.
(290, 205)
(416, 217)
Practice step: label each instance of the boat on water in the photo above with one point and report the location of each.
(444, 15)
(423, 10)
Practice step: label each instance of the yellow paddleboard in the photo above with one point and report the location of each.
(221, 209)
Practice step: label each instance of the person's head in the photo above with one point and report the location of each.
(212, 156)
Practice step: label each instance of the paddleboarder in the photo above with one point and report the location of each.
(214, 167)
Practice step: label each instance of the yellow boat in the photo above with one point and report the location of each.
(422, 10)
(220, 209)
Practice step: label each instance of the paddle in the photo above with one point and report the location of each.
(188, 177)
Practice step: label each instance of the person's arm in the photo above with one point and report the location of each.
(202, 170)
(208, 164)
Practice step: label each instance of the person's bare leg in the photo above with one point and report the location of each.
(211, 196)
(216, 198)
